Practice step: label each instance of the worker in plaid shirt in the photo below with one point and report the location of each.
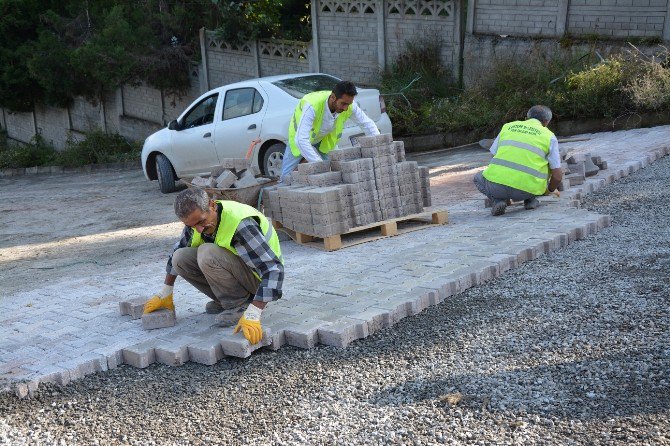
(230, 252)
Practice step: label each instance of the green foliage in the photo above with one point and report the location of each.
(97, 147)
(418, 73)
(248, 20)
(573, 88)
(37, 153)
(52, 51)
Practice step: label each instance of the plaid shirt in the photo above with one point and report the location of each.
(253, 249)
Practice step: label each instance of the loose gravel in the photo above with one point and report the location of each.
(570, 349)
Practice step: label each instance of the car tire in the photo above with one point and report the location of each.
(165, 174)
(272, 160)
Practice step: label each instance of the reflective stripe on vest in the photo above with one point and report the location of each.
(232, 213)
(521, 159)
(318, 100)
(520, 167)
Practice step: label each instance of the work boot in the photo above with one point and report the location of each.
(227, 318)
(498, 207)
(213, 307)
(531, 203)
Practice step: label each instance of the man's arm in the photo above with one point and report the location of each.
(254, 250)
(302, 139)
(360, 118)
(494, 147)
(554, 159)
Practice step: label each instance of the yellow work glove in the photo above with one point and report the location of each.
(250, 324)
(161, 300)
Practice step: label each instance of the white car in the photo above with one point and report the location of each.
(222, 123)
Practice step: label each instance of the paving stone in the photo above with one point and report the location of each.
(237, 345)
(342, 332)
(114, 359)
(133, 307)
(246, 179)
(140, 355)
(172, 352)
(313, 168)
(304, 335)
(225, 179)
(345, 154)
(206, 349)
(159, 319)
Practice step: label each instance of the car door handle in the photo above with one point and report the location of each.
(251, 127)
(207, 135)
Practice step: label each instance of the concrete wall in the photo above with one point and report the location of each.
(226, 63)
(516, 17)
(20, 126)
(618, 18)
(555, 18)
(357, 40)
(134, 111)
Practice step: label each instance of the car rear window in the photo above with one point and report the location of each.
(300, 86)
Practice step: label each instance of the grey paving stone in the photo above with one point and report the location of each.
(159, 319)
(342, 332)
(236, 344)
(140, 355)
(206, 349)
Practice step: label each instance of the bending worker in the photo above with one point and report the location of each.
(230, 252)
(526, 162)
(317, 125)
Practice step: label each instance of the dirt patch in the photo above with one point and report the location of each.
(54, 226)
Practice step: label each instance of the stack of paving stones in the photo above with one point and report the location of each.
(233, 173)
(357, 186)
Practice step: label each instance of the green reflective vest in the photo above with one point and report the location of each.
(521, 159)
(318, 102)
(232, 213)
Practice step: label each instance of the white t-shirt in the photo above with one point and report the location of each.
(302, 140)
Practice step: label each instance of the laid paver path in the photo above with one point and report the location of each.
(66, 329)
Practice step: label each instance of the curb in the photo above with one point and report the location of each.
(57, 170)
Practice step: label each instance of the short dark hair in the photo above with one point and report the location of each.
(344, 87)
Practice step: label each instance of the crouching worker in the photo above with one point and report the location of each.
(230, 252)
(526, 162)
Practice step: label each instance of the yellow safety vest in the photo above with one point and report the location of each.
(521, 159)
(317, 100)
(232, 213)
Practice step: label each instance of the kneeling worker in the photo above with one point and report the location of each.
(230, 252)
(318, 122)
(526, 162)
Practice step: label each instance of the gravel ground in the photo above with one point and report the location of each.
(573, 348)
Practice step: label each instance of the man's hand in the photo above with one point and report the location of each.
(250, 324)
(163, 299)
(555, 192)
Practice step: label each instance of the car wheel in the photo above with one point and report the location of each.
(165, 173)
(272, 159)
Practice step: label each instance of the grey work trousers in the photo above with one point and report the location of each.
(218, 273)
(499, 192)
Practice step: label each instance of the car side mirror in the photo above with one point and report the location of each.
(174, 125)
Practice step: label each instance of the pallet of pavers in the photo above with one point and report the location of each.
(361, 193)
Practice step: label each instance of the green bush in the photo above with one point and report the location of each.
(573, 88)
(37, 153)
(96, 148)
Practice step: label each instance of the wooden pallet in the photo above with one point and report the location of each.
(368, 233)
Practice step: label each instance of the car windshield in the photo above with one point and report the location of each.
(300, 86)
